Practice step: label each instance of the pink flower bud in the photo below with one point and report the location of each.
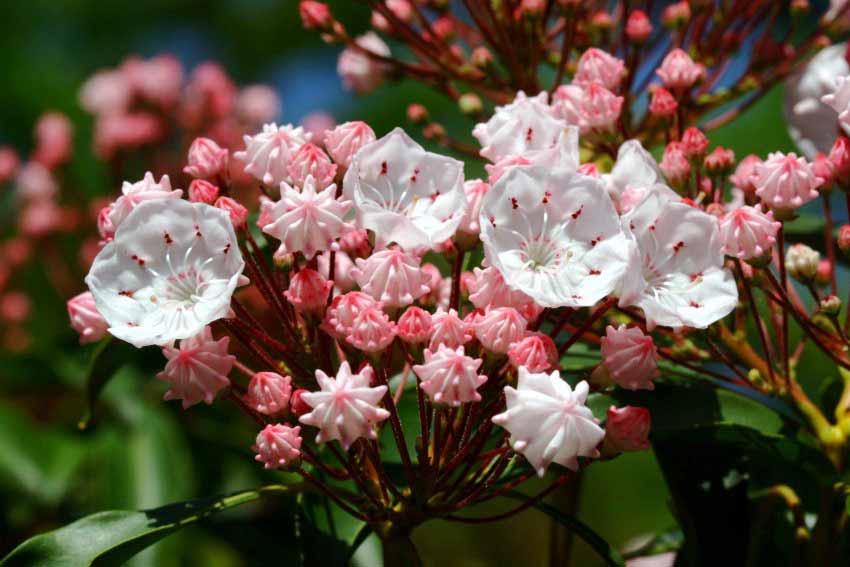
(597, 66)
(371, 331)
(499, 328)
(630, 357)
(662, 105)
(823, 170)
(360, 72)
(679, 71)
(444, 27)
(745, 174)
(309, 160)
(314, 15)
(278, 445)
(627, 428)
(414, 326)
(719, 161)
(481, 57)
(694, 143)
(86, 319)
(308, 291)
(343, 141)
(202, 191)
(206, 159)
(748, 233)
(449, 330)
(344, 309)
(638, 27)
(844, 240)
(14, 307)
(824, 273)
(9, 163)
(785, 182)
(537, 352)
(268, 393)
(238, 213)
(105, 226)
(675, 164)
(297, 406)
(53, 139)
(676, 15)
(839, 156)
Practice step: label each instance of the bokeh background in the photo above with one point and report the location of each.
(145, 453)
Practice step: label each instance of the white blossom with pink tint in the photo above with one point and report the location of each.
(404, 193)
(343, 264)
(133, 194)
(450, 377)
(488, 289)
(268, 393)
(392, 277)
(307, 221)
(308, 291)
(35, 182)
(563, 155)
(346, 407)
(371, 330)
(839, 100)
(343, 311)
(361, 72)
(677, 278)
(278, 445)
(679, 71)
(106, 92)
(311, 161)
(524, 125)
(635, 174)
(85, 318)
(258, 104)
(748, 232)
(555, 236)
(499, 328)
(785, 181)
(630, 357)
(597, 66)
(415, 326)
(549, 421)
(170, 271)
(196, 369)
(206, 159)
(346, 140)
(54, 140)
(475, 190)
(267, 154)
(449, 330)
(536, 352)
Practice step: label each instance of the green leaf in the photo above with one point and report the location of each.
(108, 356)
(112, 537)
(582, 530)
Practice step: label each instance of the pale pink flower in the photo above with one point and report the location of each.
(39, 218)
(54, 140)
(267, 154)
(745, 174)
(361, 72)
(414, 326)
(450, 377)
(115, 132)
(475, 190)
(563, 155)
(371, 330)
(630, 357)
(555, 236)
(307, 221)
(311, 161)
(499, 328)
(308, 291)
(197, 369)
(268, 393)
(785, 182)
(85, 318)
(536, 352)
(258, 104)
(404, 193)
(675, 164)
(597, 66)
(202, 191)
(392, 277)
(549, 421)
(748, 232)
(627, 428)
(318, 123)
(436, 284)
(133, 194)
(346, 140)
(679, 71)
(839, 100)
(314, 15)
(170, 271)
(9, 163)
(206, 159)
(35, 182)
(343, 311)
(236, 210)
(449, 330)
(526, 124)
(278, 445)
(591, 107)
(343, 264)
(106, 92)
(158, 80)
(355, 242)
(346, 407)
(15, 307)
(210, 94)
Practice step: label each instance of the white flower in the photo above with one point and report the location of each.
(524, 125)
(134, 193)
(811, 123)
(555, 236)
(634, 175)
(678, 277)
(169, 272)
(405, 194)
(306, 221)
(549, 421)
(346, 407)
(839, 100)
(267, 154)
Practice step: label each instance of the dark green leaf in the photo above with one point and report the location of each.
(112, 537)
(108, 356)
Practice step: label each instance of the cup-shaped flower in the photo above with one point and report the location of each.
(678, 278)
(392, 277)
(307, 221)
(346, 406)
(555, 236)
(132, 194)
(277, 445)
(170, 271)
(197, 369)
(450, 377)
(267, 153)
(549, 421)
(405, 194)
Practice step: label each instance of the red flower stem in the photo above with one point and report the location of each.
(330, 494)
(762, 331)
(524, 506)
(829, 241)
(780, 245)
(595, 316)
(395, 422)
(454, 300)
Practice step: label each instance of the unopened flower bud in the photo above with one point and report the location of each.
(719, 161)
(830, 305)
(627, 429)
(470, 103)
(676, 15)
(481, 57)
(694, 143)
(206, 159)
(638, 27)
(844, 240)
(839, 157)
(662, 104)
(297, 406)
(675, 164)
(802, 262)
(314, 15)
(824, 170)
(202, 191)
(417, 113)
(238, 213)
(824, 273)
